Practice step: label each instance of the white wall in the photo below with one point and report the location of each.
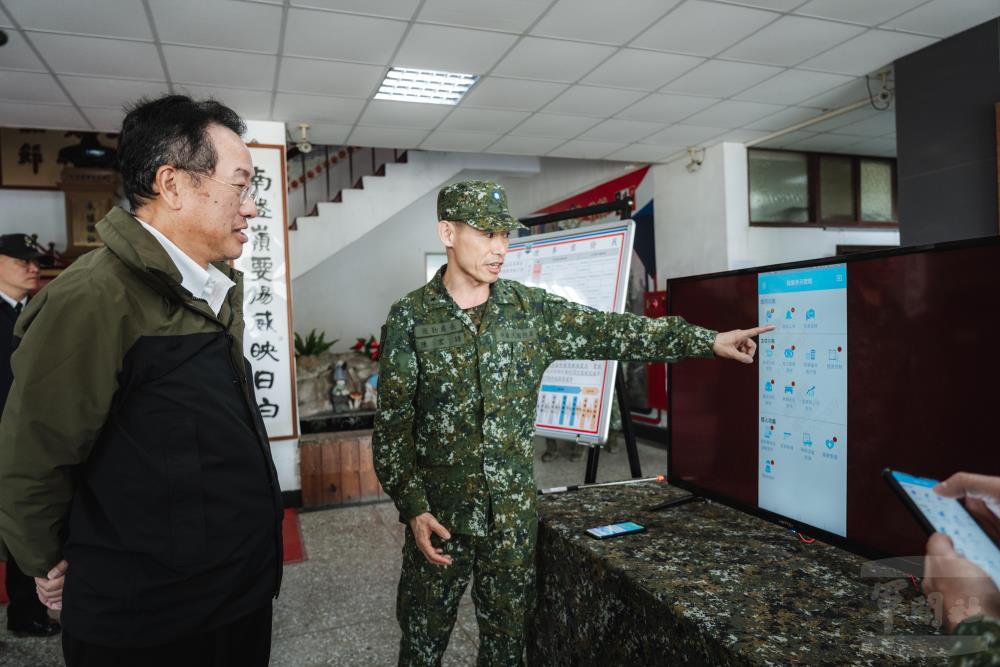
(703, 221)
(41, 212)
(560, 178)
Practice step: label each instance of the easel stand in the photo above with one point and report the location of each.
(624, 209)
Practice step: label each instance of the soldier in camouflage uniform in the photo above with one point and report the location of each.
(969, 600)
(461, 363)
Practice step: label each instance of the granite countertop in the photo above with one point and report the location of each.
(740, 590)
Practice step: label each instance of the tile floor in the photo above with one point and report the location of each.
(337, 607)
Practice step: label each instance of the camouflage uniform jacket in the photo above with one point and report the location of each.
(987, 631)
(453, 433)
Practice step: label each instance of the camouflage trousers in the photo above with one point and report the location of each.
(502, 568)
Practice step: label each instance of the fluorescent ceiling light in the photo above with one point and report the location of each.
(427, 86)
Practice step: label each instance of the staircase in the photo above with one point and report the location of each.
(383, 194)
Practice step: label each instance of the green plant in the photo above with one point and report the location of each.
(312, 344)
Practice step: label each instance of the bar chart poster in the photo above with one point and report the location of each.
(590, 266)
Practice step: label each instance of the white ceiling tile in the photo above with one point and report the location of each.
(881, 124)
(824, 142)
(786, 139)
(386, 137)
(250, 104)
(290, 107)
(662, 108)
(250, 27)
(843, 119)
(512, 93)
(400, 9)
(458, 141)
(97, 92)
(703, 28)
(14, 114)
(525, 145)
(16, 54)
(721, 78)
(323, 133)
(386, 113)
(776, 5)
(792, 39)
(793, 86)
(510, 15)
(865, 12)
(868, 52)
(944, 18)
(483, 120)
(68, 54)
(600, 21)
(329, 77)
(552, 59)
(452, 49)
(840, 96)
(589, 150)
(683, 135)
(104, 119)
(645, 70)
(593, 101)
(642, 153)
(30, 87)
(615, 129)
(341, 36)
(731, 113)
(110, 18)
(189, 64)
(554, 126)
(782, 119)
(739, 136)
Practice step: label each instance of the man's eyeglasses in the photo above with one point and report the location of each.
(247, 192)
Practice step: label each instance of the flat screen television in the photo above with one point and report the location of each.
(883, 359)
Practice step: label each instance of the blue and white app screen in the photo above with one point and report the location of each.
(949, 517)
(802, 406)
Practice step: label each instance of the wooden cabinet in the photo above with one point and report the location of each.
(338, 469)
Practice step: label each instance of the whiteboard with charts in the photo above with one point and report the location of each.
(588, 265)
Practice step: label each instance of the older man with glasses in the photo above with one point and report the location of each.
(136, 480)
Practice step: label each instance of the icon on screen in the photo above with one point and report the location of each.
(811, 314)
(811, 355)
(789, 389)
(807, 439)
(768, 386)
(811, 391)
(769, 314)
(789, 352)
(769, 352)
(786, 435)
(833, 355)
(831, 443)
(768, 433)
(788, 314)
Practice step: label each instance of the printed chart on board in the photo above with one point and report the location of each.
(803, 396)
(588, 265)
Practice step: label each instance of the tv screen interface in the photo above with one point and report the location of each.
(881, 360)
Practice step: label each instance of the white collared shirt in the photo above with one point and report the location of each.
(13, 304)
(211, 285)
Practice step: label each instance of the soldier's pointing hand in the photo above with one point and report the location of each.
(738, 344)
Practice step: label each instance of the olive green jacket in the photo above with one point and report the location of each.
(456, 419)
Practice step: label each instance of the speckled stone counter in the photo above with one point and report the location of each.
(708, 585)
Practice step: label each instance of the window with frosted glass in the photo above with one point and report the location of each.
(876, 191)
(836, 189)
(779, 187)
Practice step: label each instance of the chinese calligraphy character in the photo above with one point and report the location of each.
(264, 320)
(262, 295)
(263, 379)
(261, 236)
(30, 154)
(268, 410)
(262, 209)
(259, 178)
(258, 351)
(261, 267)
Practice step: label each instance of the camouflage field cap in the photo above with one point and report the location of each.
(480, 204)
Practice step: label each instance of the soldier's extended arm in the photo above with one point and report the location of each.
(392, 442)
(578, 332)
(987, 630)
(65, 377)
